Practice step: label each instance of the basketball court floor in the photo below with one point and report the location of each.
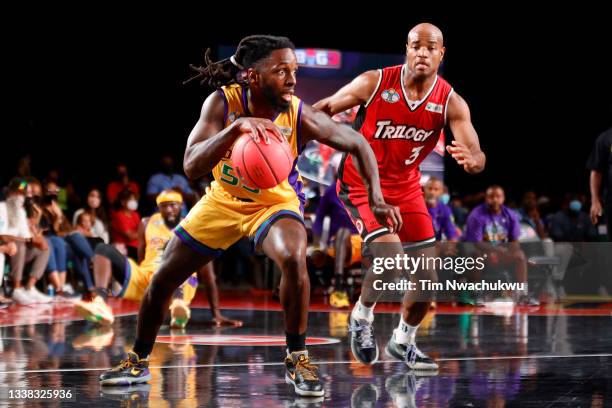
(497, 356)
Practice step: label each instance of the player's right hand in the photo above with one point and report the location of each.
(258, 128)
(389, 216)
(596, 212)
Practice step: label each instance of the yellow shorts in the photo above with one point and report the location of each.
(137, 280)
(219, 220)
(355, 250)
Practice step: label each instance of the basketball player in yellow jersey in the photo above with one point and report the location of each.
(153, 236)
(255, 95)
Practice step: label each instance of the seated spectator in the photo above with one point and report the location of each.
(344, 243)
(530, 214)
(491, 224)
(460, 212)
(31, 249)
(571, 223)
(7, 247)
(84, 226)
(124, 223)
(94, 208)
(66, 196)
(61, 235)
(168, 179)
(441, 214)
(121, 182)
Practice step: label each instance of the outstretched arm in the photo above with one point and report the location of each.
(316, 125)
(357, 92)
(209, 141)
(465, 149)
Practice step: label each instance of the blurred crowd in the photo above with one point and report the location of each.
(49, 231)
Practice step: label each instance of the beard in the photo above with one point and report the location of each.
(278, 103)
(171, 223)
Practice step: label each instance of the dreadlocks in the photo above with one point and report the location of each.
(250, 51)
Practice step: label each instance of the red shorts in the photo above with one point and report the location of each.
(417, 225)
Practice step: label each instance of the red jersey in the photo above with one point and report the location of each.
(401, 133)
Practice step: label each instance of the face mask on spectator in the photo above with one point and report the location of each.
(575, 205)
(132, 205)
(444, 198)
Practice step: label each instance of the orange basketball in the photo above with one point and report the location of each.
(262, 165)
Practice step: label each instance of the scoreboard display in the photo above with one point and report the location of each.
(319, 58)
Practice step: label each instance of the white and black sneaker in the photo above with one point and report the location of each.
(365, 395)
(363, 341)
(415, 359)
(402, 389)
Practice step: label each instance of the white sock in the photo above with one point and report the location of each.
(405, 333)
(361, 312)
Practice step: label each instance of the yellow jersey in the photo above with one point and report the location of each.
(236, 105)
(157, 235)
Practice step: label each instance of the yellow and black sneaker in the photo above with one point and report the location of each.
(303, 375)
(131, 370)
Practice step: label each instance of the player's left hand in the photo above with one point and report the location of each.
(463, 155)
(389, 216)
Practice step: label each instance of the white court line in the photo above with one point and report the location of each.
(67, 320)
(535, 357)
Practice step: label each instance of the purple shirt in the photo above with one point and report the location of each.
(484, 226)
(442, 219)
(331, 205)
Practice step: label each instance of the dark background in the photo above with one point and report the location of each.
(87, 89)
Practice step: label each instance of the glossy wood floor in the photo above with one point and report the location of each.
(492, 357)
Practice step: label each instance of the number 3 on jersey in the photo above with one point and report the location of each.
(229, 178)
(414, 155)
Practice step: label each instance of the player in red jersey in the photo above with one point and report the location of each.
(403, 110)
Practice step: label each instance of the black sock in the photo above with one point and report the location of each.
(296, 342)
(143, 348)
(102, 292)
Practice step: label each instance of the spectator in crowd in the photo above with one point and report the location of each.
(124, 223)
(66, 196)
(56, 265)
(441, 213)
(460, 212)
(495, 229)
(168, 179)
(95, 209)
(571, 223)
(600, 164)
(121, 182)
(60, 233)
(530, 214)
(31, 249)
(7, 247)
(342, 242)
(24, 167)
(84, 226)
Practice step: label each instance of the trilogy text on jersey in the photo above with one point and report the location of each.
(385, 130)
